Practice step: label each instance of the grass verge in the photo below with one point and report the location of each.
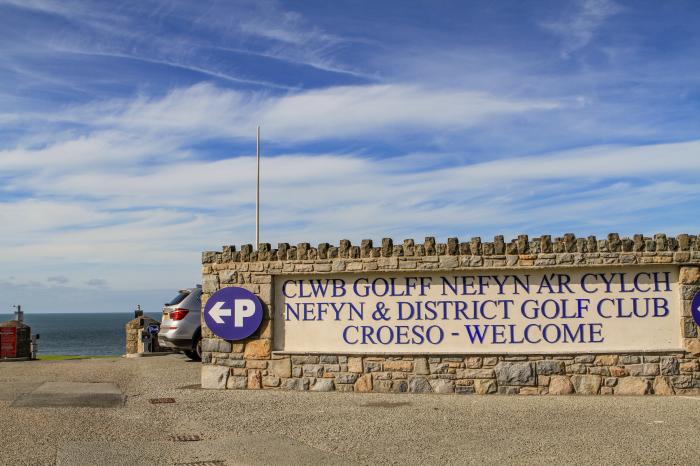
(63, 357)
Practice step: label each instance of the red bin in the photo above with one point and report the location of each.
(8, 342)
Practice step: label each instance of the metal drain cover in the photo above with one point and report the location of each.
(155, 401)
(203, 463)
(385, 404)
(185, 438)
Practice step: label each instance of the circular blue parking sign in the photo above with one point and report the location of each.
(233, 313)
(695, 308)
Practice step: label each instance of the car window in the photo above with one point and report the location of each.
(194, 301)
(178, 299)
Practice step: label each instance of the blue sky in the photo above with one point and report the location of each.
(127, 130)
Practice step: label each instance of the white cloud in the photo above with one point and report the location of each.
(344, 112)
(146, 228)
(577, 29)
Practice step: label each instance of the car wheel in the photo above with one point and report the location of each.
(196, 353)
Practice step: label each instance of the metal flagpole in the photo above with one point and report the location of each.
(257, 195)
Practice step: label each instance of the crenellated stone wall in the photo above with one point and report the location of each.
(252, 364)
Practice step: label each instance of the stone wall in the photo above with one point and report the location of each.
(133, 329)
(251, 364)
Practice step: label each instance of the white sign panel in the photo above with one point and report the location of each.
(528, 311)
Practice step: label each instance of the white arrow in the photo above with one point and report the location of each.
(216, 312)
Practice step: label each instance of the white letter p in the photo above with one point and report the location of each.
(242, 308)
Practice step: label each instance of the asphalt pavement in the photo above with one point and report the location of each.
(151, 411)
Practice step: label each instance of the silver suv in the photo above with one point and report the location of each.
(180, 328)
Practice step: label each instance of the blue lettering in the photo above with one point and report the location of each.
(583, 283)
(478, 334)
(284, 289)
(345, 334)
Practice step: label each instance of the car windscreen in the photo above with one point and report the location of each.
(178, 299)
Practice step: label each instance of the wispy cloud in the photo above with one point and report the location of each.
(577, 28)
(127, 130)
(262, 28)
(135, 219)
(58, 279)
(333, 113)
(97, 283)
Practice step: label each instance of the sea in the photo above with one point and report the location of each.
(86, 334)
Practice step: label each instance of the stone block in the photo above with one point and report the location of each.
(373, 366)
(420, 366)
(280, 367)
(560, 385)
(439, 368)
(617, 371)
(403, 366)
(442, 386)
(270, 381)
(662, 386)
(228, 277)
(490, 361)
(529, 391)
(257, 349)
(606, 360)
(295, 384)
(485, 386)
(515, 373)
(328, 359)
(254, 364)
(399, 386)
(449, 262)
(363, 384)
(632, 386)
(599, 370)
(210, 283)
(473, 362)
(345, 378)
(476, 374)
(689, 276)
(214, 376)
(549, 367)
(299, 360)
(419, 385)
(682, 381)
(643, 370)
(312, 370)
(586, 384)
(628, 359)
(464, 390)
(669, 366)
(508, 390)
(210, 345)
(323, 385)
(690, 366)
(692, 346)
(254, 380)
(237, 383)
(355, 365)
(265, 330)
(382, 386)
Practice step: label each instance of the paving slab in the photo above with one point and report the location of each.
(232, 449)
(72, 394)
(9, 391)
